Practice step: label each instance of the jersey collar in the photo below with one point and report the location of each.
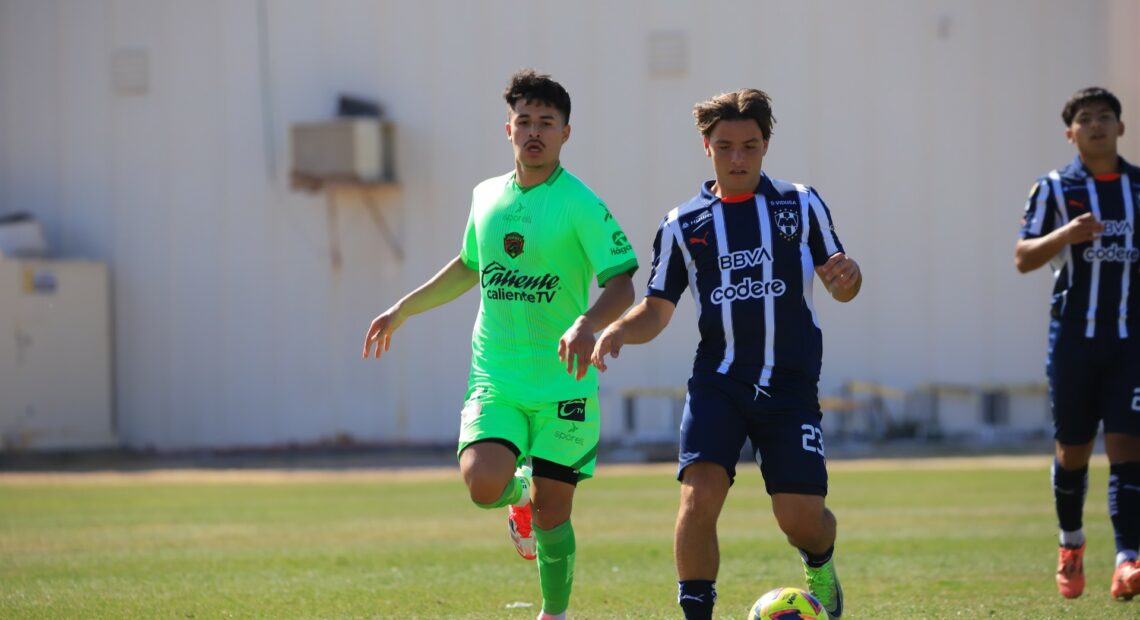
(708, 197)
(548, 182)
(1077, 170)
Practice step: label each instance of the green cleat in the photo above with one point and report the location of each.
(823, 583)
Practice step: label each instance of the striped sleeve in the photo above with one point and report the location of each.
(668, 276)
(822, 240)
(1038, 219)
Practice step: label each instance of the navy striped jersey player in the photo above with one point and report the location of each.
(749, 264)
(1095, 281)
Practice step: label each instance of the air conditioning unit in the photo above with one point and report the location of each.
(349, 149)
(55, 356)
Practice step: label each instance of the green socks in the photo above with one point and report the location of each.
(556, 548)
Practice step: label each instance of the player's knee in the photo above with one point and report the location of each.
(550, 515)
(805, 518)
(699, 503)
(1073, 457)
(798, 529)
(484, 489)
(702, 501)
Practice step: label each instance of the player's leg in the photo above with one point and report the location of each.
(788, 440)
(811, 528)
(1124, 510)
(1070, 475)
(713, 430)
(704, 487)
(1122, 446)
(1074, 397)
(564, 446)
(492, 438)
(488, 468)
(554, 486)
(808, 524)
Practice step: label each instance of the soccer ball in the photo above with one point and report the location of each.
(787, 604)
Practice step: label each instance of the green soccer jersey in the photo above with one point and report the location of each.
(536, 251)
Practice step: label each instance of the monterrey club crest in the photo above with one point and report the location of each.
(513, 244)
(788, 223)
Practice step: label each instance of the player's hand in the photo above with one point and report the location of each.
(380, 332)
(840, 274)
(610, 343)
(576, 346)
(1083, 229)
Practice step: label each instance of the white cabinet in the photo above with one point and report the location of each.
(55, 355)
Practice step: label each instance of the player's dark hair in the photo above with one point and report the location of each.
(1084, 97)
(528, 85)
(744, 104)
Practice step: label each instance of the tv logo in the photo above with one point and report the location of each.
(573, 410)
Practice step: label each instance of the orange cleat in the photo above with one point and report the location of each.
(521, 532)
(1126, 581)
(1071, 571)
(518, 521)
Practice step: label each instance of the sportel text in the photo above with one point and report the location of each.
(748, 289)
(574, 439)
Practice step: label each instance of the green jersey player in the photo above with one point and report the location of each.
(536, 238)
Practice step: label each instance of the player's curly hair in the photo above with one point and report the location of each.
(746, 103)
(1084, 97)
(530, 85)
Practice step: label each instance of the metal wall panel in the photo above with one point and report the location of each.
(922, 125)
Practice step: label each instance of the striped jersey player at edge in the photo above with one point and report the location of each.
(535, 239)
(1082, 219)
(747, 246)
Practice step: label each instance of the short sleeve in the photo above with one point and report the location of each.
(1040, 212)
(604, 242)
(668, 275)
(822, 238)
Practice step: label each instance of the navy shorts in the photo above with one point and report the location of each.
(781, 422)
(1093, 380)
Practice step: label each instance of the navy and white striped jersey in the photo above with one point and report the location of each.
(749, 265)
(1094, 282)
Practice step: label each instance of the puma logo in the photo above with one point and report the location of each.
(701, 240)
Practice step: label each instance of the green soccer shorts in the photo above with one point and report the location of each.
(564, 432)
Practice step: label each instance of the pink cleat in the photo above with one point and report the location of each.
(1071, 571)
(518, 522)
(1126, 581)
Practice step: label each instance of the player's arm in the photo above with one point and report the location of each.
(1032, 253)
(839, 273)
(577, 344)
(841, 277)
(642, 324)
(452, 281)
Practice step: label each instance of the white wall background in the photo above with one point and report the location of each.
(922, 124)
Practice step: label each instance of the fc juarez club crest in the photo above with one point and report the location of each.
(513, 244)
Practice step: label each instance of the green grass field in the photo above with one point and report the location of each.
(935, 539)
